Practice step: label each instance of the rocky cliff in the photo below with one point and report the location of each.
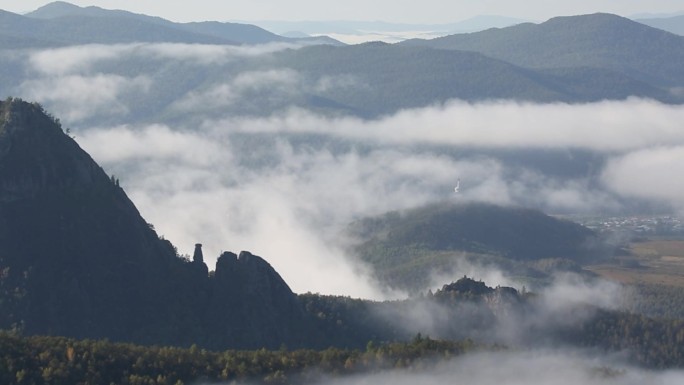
(77, 259)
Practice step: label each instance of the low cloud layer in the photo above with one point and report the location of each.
(292, 214)
(198, 188)
(79, 97)
(90, 82)
(542, 367)
(651, 173)
(565, 303)
(609, 126)
(277, 85)
(258, 184)
(640, 139)
(284, 185)
(82, 58)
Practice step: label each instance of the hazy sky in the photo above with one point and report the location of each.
(426, 11)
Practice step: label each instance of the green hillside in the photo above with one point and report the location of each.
(407, 248)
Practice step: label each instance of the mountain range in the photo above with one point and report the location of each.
(359, 28)
(589, 41)
(61, 24)
(670, 23)
(575, 59)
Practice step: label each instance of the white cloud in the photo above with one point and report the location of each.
(273, 84)
(216, 97)
(156, 142)
(286, 214)
(290, 202)
(81, 59)
(384, 36)
(604, 126)
(327, 83)
(564, 303)
(76, 59)
(75, 97)
(651, 173)
(537, 367)
(266, 79)
(287, 201)
(572, 298)
(82, 82)
(213, 54)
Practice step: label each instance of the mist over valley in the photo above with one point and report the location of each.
(498, 206)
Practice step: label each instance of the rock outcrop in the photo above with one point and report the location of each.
(255, 281)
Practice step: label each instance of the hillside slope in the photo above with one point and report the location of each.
(391, 77)
(407, 248)
(77, 259)
(59, 12)
(597, 41)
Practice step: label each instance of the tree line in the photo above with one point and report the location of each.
(59, 360)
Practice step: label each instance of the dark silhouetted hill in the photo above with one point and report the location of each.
(77, 259)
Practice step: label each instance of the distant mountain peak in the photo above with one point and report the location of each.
(55, 9)
(599, 41)
(598, 17)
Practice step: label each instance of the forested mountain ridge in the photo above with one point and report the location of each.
(74, 30)
(515, 232)
(77, 259)
(63, 24)
(394, 77)
(236, 32)
(614, 59)
(407, 248)
(596, 41)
